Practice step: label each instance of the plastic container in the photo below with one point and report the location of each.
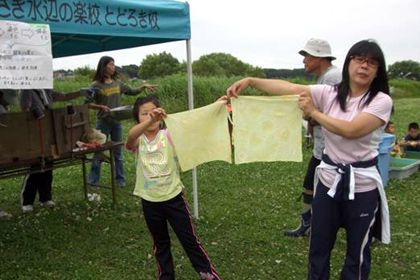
(412, 155)
(385, 147)
(401, 168)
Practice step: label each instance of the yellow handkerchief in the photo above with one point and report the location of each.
(267, 128)
(200, 135)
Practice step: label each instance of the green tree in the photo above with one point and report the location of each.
(84, 71)
(287, 73)
(130, 70)
(222, 64)
(158, 65)
(406, 69)
(207, 67)
(255, 72)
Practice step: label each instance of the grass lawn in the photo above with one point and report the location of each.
(244, 210)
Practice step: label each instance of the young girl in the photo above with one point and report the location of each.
(109, 89)
(159, 186)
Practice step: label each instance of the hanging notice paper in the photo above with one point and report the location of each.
(25, 56)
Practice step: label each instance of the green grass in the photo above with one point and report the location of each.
(244, 210)
(405, 88)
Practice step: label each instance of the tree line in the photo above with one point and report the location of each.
(226, 65)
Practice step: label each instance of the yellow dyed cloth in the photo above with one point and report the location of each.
(267, 128)
(200, 135)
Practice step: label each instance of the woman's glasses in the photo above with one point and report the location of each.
(361, 59)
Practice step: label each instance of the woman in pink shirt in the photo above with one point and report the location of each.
(348, 188)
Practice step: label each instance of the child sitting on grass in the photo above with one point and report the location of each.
(396, 150)
(161, 190)
(411, 142)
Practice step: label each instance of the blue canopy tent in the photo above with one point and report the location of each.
(89, 26)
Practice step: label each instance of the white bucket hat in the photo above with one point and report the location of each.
(317, 48)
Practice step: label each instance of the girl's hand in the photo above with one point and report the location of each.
(157, 114)
(223, 99)
(105, 109)
(147, 86)
(236, 89)
(306, 105)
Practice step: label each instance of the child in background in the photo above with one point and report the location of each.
(159, 185)
(411, 142)
(396, 150)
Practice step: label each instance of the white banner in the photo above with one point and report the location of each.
(25, 56)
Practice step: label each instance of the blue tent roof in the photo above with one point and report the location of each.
(88, 26)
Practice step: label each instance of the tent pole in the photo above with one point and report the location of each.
(190, 107)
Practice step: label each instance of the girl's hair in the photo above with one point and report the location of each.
(143, 100)
(388, 125)
(370, 49)
(100, 74)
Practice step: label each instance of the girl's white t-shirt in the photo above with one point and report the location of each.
(343, 150)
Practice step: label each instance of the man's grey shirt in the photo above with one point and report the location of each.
(331, 77)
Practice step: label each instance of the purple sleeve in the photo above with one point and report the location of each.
(380, 106)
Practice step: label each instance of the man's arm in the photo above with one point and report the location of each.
(26, 100)
(59, 96)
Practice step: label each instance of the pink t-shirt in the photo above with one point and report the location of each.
(343, 150)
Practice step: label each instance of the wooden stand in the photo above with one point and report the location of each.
(32, 166)
(29, 146)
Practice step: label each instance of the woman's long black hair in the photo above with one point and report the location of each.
(370, 49)
(100, 74)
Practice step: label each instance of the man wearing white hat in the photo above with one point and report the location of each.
(317, 60)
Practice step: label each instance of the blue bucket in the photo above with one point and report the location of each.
(385, 147)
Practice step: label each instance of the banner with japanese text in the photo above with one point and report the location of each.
(87, 26)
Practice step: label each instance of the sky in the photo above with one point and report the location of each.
(269, 33)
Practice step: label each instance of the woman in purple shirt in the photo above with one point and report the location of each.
(348, 188)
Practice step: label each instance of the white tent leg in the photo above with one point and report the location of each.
(190, 107)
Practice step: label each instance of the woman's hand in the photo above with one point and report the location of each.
(236, 89)
(306, 105)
